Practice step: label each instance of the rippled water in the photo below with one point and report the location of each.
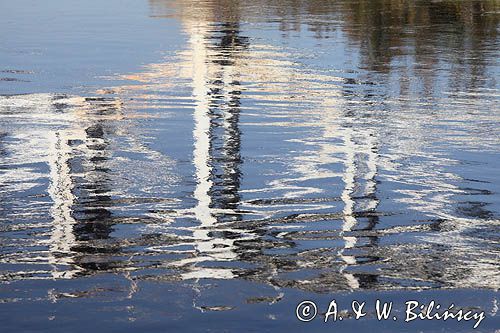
(186, 165)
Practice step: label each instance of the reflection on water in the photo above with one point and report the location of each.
(316, 145)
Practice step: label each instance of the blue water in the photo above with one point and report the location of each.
(207, 165)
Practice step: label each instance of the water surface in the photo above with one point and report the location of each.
(195, 165)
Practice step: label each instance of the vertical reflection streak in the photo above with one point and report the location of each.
(349, 220)
(60, 191)
(201, 132)
(207, 247)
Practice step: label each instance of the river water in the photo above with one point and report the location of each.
(207, 165)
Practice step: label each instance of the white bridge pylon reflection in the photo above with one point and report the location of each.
(207, 247)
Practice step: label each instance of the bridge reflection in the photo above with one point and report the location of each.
(301, 177)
